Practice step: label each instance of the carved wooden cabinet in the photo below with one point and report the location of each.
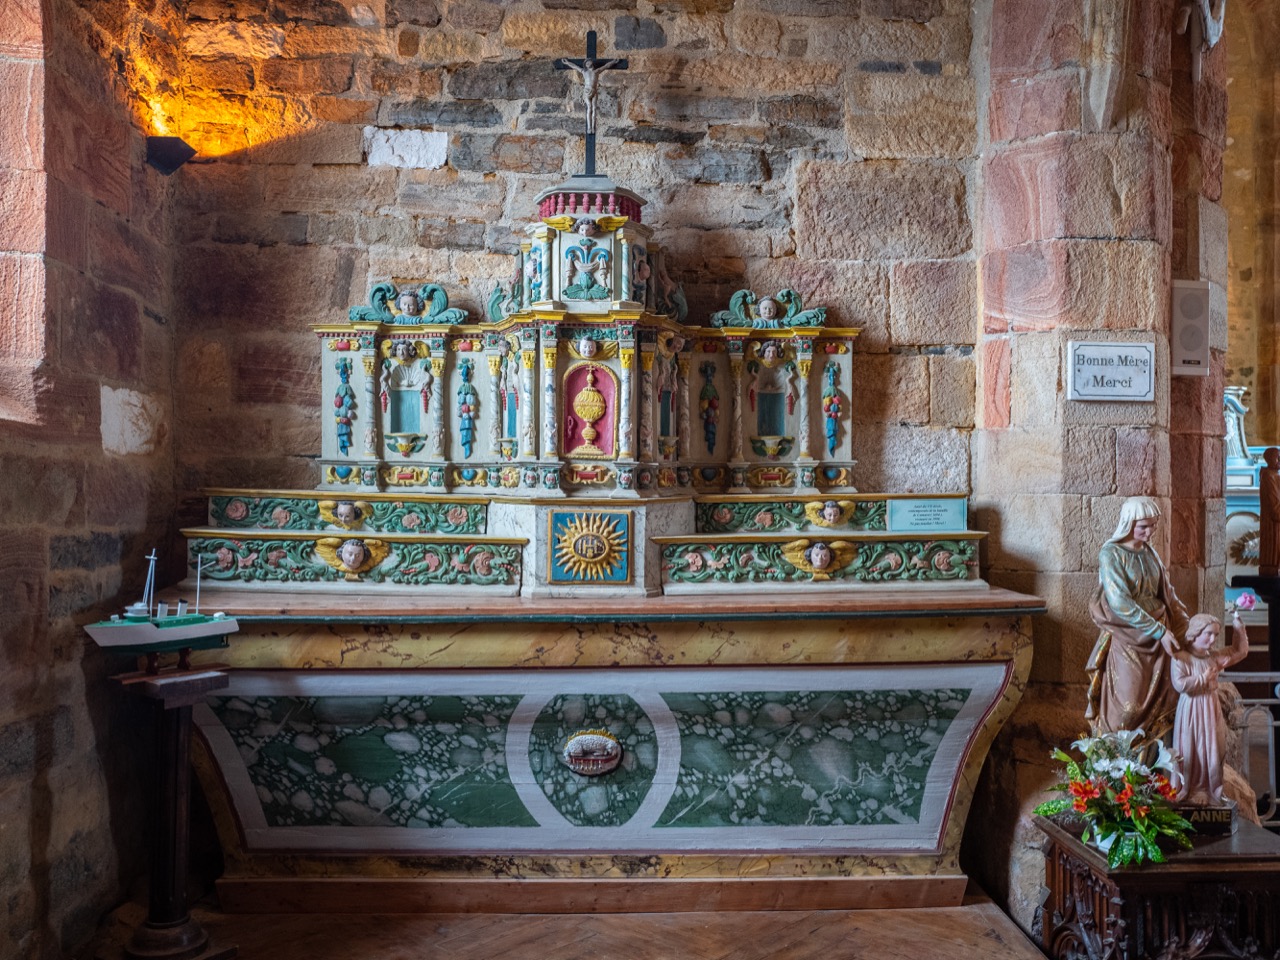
(1218, 900)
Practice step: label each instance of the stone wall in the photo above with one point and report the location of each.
(972, 184)
(85, 435)
(822, 146)
(1101, 176)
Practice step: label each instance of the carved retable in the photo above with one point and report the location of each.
(1220, 899)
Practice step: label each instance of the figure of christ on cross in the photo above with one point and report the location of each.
(590, 69)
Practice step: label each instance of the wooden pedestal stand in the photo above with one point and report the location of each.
(170, 932)
(1220, 899)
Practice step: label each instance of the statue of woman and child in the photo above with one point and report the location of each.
(1153, 667)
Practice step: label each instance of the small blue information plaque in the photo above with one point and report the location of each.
(928, 515)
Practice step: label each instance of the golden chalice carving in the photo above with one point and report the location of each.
(589, 405)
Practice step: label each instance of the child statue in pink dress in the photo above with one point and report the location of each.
(1199, 730)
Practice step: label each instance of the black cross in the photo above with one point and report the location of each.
(590, 67)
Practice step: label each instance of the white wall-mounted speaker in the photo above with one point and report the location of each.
(1189, 332)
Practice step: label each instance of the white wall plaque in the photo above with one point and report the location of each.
(1111, 370)
(928, 515)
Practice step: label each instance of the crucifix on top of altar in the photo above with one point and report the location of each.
(587, 375)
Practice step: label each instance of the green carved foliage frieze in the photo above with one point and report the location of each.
(252, 560)
(872, 561)
(245, 512)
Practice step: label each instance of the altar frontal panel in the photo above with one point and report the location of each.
(828, 760)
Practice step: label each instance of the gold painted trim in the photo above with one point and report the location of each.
(260, 533)
(711, 539)
(764, 497)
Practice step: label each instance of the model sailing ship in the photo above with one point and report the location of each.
(151, 628)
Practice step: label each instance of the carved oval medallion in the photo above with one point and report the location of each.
(592, 752)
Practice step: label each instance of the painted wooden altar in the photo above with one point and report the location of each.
(588, 527)
(778, 752)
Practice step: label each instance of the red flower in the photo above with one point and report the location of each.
(1123, 798)
(1165, 788)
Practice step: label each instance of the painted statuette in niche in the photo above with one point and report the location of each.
(592, 752)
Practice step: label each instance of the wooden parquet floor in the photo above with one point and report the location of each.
(976, 930)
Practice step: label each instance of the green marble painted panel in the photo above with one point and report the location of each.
(601, 801)
(401, 761)
(837, 758)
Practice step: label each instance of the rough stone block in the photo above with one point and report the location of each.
(1033, 532)
(918, 116)
(547, 32)
(53, 497)
(710, 164)
(944, 40)
(638, 33)
(243, 289)
(84, 551)
(1035, 457)
(760, 76)
(1024, 108)
(904, 211)
(996, 369)
(203, 365)
(521, 154)
(1070, 186)
(1142, 462)
(133, 422)
(1037, 380)
(704, 206)
(268, 368)
(420, 13)
(452, 234)
(330, 189)
(669, 105)
(475, 17)
(911, 459)
(265, 230)
(508, 81)
(22, 283)
(918, 10)
(1089, 464)
(221, 186)
(36, 743)
(443, 193)
(230, 74)
(429, 112)
(344, 109)
(802, 111)
(22, 114)
(88, 146)
(692, 6)
(110, 346)
(122, 256)
(951, 390)
(902, 393)
(406, 148)
(234, 38)
(22, 37)
(1033, 36)
(328, 74)
(933, 302)
(1078, 284)
(807, 8)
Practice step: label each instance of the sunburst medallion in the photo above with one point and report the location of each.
(591, 546)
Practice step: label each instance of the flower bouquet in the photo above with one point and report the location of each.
(1122, 795)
